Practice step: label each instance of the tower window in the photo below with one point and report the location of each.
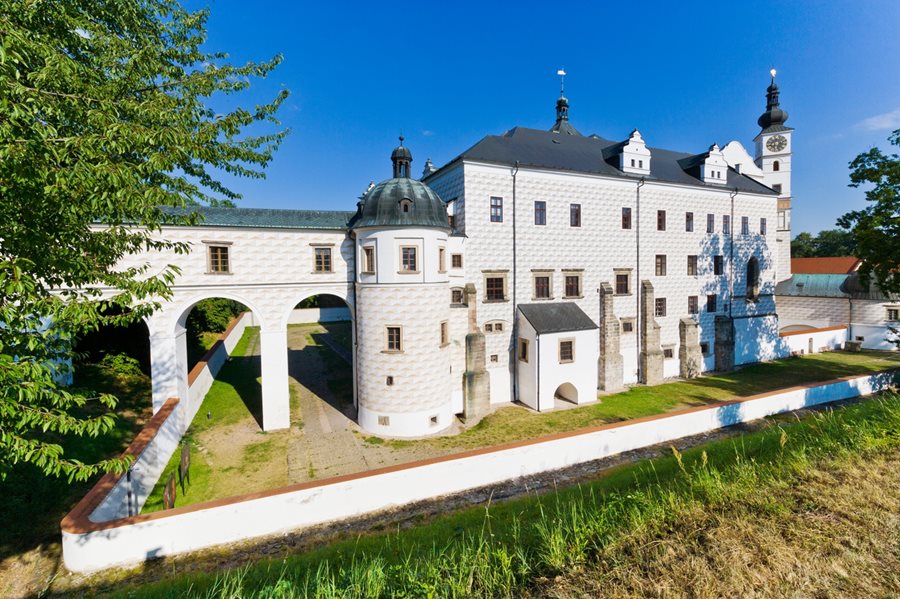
(777, 188)
(408, 259)
(496, 210)
(369, 259)
(442, 260)
(405, 205)
(776, 166)
(456, 260)
(393, 339)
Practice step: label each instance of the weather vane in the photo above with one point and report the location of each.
(562, 80)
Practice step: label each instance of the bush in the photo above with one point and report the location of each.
(120, 365)
(212, 315)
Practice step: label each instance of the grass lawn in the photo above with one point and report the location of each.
(230, 452)
(799, 507)
(515, 423)
(32, 504)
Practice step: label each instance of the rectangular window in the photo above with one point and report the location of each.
(660, 306)
(660, 265)
(660, 220)
(704, 348)
(689, 221)
(623, 286)
(445, 334)
(369, 259)
(777, 188)
(626, 218)
(523, 350)
(745, 225)
(668, 352)
(711, 303)
(692, 266)
(566, 351)
(456, 260)
(627, 325)
(726, 224)
(408, 261)
(893, 313)
(494, 289)
(693, 304)
(782, 220)
(573, 285)
(218, 259)
(762, 226)
(710, 223)
(323, 259)
(542, 287)
(442, 260)
(496, 210)
(540, 213)
(718, 265)
(393, 340)
(456, 296)
(489, 328)
(574, 215)
(451, 220)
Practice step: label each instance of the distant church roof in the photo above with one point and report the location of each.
(401, 201)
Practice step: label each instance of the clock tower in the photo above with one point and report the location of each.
(774, 148)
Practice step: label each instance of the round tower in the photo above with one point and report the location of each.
(402, 306)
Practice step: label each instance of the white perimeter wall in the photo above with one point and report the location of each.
(195, 527)
(800, 342)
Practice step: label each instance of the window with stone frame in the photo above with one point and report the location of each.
(540, 213)
(726, 224)
(369, 260)
(660, 307)
(442, 260)
(566, 351)
(668, 352)
(711, 303)
(762, 226)
(496, 210)
(495, 288)
(745, 225)
(542, 286)
(692, 265)
(689, 222)
(660, 220)
(718, 265)
(323, 259)
(218, 259)
(893, 313)
(573, 285)
(409, 258)
(456, 260)
(660, 265)
(693, 304)
(445, 333)
(457, 296)
(623, 282)
(626, 218)
(523, 350)
(627, 325)
(574, 215)
(710, 223)
(393, 337)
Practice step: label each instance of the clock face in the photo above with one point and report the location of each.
(776, 143)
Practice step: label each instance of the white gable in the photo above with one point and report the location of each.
(714, 169)
(740, 160)
(635, 157)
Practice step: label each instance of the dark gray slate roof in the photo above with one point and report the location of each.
(557, 317)
(545, 149)
(267, 218)
(381, 206)
(835, 285)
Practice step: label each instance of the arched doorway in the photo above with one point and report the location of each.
(320, 362)
(117, 335)
(567, 392)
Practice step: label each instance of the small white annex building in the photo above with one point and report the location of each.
(613, 262)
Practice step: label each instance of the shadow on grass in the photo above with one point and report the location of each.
(321, 370)
(242, 374)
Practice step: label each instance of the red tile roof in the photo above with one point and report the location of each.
(840, 265)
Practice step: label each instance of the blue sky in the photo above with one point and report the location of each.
(687, 74)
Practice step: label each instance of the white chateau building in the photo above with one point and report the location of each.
(537, 266)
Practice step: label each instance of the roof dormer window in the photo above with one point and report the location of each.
(713, 165)
(635, 156)
(405, 205)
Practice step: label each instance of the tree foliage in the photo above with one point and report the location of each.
(876, 228)
(106, 134)
(212, 315)
(830, 242)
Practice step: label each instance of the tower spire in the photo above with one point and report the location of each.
(562, 109)
(774, 115)
(401, 157)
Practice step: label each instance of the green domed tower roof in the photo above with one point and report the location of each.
(401, 201)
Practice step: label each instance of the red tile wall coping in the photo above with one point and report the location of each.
(810, 331)
(199, 366)
(77, 522)
(78, 518)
